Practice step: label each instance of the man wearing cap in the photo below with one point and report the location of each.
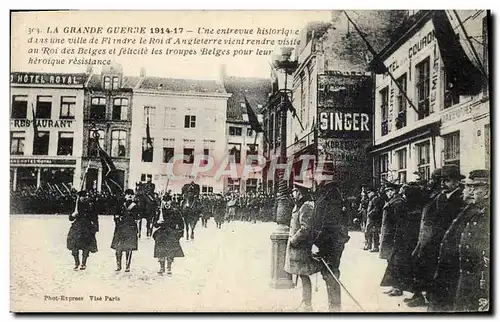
(437, 218)
(392, 208)
(149, 188)
(333, 235)
(298, 258)
(447, 270)
(373, 222)
(474, 249)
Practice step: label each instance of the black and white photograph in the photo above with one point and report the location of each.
(273, 161)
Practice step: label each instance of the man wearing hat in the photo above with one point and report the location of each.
(373, 222)
(436, 219)
(474, 248)
(298, 258)
(392, 209)
(149, 188)
(333, 235)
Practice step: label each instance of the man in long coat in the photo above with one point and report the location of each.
(373, 221)
(392, 209)
(298, 257)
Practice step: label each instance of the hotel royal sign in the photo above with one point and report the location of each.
(47, 79)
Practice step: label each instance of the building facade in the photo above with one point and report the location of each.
(108, 119)
(187, 124)
(433, 113)
(46, 128)
(242, 142)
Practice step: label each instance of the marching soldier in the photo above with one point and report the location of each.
(81, 235)
(125, 236)
(170, 228)
(474, 250)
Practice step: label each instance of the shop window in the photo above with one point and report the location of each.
(92, 147)
(423, 88)
(118, 143)
(65, 143)
(402, 158)
(120, 109)
(452, 148)
(56, 177)
(383, 164)
(17, 143)
(384, 110)
(26, 178)
(44, 107)
(147, 150)
(189, 121)
(68, 104)
(235, 151)
(424, 160)
(19, 107)
(401, 103)
(235, 131)
(98, 108)
(41, 143)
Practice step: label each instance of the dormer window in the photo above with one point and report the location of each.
(107, 82)
(116, 82)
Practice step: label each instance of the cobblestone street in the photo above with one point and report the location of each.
(224, 270)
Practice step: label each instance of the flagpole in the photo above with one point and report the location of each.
(374, 53)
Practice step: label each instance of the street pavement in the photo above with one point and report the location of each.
(224, 270)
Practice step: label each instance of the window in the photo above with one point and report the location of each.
(19, 107)
(251, 185)
(149, 111)
(487, 146)
(423, 84)
(189, 121)
(41, 143)
(401, 103)
(170, 117)
(233, 185)
(67, 107)
(252, 151)
(451, 95)
(65, 143)
(107, 82)
(118, 143)
(17, 143)
(188, 155)
(120, 109)
(144, 176)
(147, 150)
(452, 148)
(384, 109)
(235, 150)
(249, 132)
(208, 146)
(384, 167)
(98, 108)
(235, 131)
(116, 83)
(92, 147)
(401, 156)
(168, 150)
(424, 160)
(44, 107)
(207, 189)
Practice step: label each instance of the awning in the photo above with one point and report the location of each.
(428, 130)
(466, 78)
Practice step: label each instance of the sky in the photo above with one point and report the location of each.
(200, 67)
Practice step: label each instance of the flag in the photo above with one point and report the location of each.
(109, 172)
(252, 118)
(149, 141)
(467, 79)
(35, 125)
(292, 109)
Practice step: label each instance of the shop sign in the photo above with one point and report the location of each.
(47, 79)
(456, 113)
(42, 123)
(38, 161)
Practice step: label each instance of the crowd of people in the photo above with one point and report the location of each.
(435, 238)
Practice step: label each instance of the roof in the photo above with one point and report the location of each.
(129, 82)
(256, 90)
(181, 85)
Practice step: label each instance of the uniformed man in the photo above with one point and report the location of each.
(149, 187)
(474, 250)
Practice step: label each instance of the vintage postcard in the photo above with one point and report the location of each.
(250, 161)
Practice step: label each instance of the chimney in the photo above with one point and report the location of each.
(142, 73)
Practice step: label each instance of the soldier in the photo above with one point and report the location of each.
(149, 187)
(170, 228)
(125, 236)
(331, 235)
(81, 235)
(391, 210)
(298, 257)
(474, 250)
(373, 221)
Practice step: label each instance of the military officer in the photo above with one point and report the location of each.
(149, 187)
(474, 250)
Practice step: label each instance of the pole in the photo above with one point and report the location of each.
(374, 53)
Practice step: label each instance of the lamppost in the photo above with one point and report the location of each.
(279, 238)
